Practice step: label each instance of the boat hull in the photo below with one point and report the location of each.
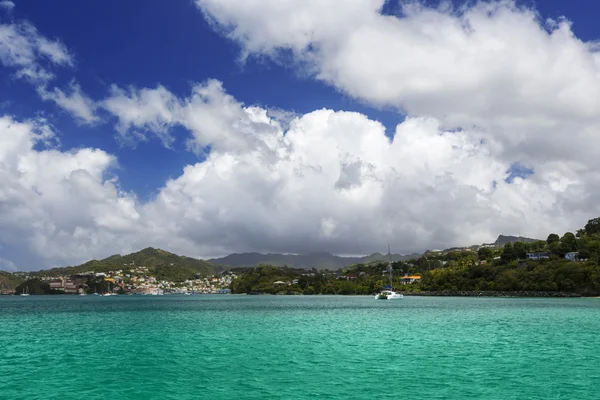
(388, 296)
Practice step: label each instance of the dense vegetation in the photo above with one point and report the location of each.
(488, 269)
(357, 279)
(35, 286)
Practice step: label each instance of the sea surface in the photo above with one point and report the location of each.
(298, 347)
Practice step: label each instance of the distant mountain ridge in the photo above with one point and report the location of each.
(503, 239)
(164, 263)
(305, 261)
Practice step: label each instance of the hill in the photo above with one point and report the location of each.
(318, 261)
(159, 262)
(502, 240)
(8, 281)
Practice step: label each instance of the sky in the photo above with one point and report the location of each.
(210, 127)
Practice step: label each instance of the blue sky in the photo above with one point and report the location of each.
(512, 98)
(146, 43)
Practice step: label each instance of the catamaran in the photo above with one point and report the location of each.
(389, 294)
(25, 292)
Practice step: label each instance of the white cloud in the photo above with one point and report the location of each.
(212, 116)
(530, 89)
(493, 65)
(8, 5)
(81, 106)
(23, 48)
(334, 182)
(57, 206)
(147, 110)
(31, 54)
(331, 182)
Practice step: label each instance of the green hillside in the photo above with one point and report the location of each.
(161, 263)
(8, 280)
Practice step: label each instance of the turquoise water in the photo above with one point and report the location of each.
(298, 347)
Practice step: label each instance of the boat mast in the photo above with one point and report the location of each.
(390, 268)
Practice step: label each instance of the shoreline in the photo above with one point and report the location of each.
(459, 293)
(464, 293)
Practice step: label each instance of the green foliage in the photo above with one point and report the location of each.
(552, 238)
(592, 227)
(485, 254)
(521, 249)
(356, 279)
(173, 273)
(35, 287)
(508, 253)
(548, 275)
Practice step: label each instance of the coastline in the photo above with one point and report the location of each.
(463, 293)
(458, 293)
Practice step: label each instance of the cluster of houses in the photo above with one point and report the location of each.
(138, 280)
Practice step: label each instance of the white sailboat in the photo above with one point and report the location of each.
(108, 292)
(25, 292)
(389, 294)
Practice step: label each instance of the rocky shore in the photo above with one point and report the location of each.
(494, 294)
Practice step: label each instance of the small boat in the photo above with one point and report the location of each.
(389, 294)
(25, 292)
(109, 292)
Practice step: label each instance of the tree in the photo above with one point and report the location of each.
(520, 249)
(508, 253)
(485, 253)
(538, 246)
(593, 226)
(594, 249)
(552, 238)
(34, 286)
(568, 242)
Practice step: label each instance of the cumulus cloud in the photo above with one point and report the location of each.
(22, 47)
(495, 72)
(77, 103)
(333, 181)
(58, 206)
(493, 65)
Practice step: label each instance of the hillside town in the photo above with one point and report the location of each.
(135, 280)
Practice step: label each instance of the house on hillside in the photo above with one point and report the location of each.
(572, 256)
(538, 255)
(408, 279)
(57, 284)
